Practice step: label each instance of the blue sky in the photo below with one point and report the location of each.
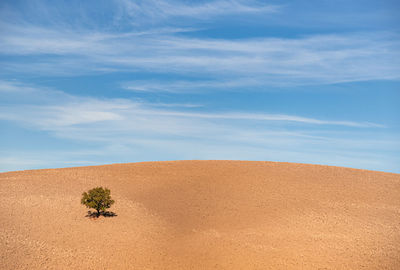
(98, 82)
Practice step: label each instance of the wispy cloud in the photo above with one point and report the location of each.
(80, 110)
(66, 49)
(272, 117)
(188, 86)
(159, 10)
(119, 126)
(154, 49)
(265, 61)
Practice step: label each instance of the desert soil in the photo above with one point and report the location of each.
(202, 215)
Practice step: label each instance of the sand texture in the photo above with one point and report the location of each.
(202, 215)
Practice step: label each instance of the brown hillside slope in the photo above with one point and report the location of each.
(202, 215)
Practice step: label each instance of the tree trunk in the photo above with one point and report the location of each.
(98, 212)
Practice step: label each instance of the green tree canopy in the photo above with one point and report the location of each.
(98, 198)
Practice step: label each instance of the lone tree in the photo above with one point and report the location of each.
(97, 198)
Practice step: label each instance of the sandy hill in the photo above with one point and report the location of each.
(202, 215)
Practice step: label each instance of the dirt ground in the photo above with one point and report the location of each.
(202, 215)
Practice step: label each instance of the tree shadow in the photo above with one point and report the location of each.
(94, 214)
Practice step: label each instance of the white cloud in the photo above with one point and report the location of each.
(160, 9)
(116, 130)
(74, 110)
(67, 49)
(248, 62)
(181, 86)
(158, 42)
